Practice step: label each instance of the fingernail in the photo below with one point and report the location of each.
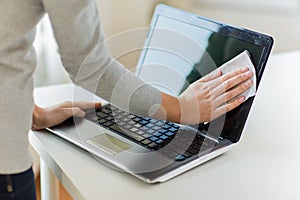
(245, 69)
(249, 73)
(98, 104)
(242, 99)
(82, 114)
(248, 83)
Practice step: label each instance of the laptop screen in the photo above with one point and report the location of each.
(182, 47)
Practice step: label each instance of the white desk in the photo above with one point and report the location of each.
(264, 165)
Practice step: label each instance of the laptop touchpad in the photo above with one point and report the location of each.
(108, 143)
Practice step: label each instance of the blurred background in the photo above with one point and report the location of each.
(277, 18)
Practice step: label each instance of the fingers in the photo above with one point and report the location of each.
(69, 109)
(211, 76)
(54, 115)
(229, 95)
(242, 82)
(86, 105)
(74, 111)
(228, 106)
(83, 105)
(240, 74)
(215, 94)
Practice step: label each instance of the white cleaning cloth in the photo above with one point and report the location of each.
(238, 62)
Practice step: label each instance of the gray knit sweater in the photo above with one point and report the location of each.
(78, 33)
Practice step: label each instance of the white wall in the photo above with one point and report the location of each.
(120, 18)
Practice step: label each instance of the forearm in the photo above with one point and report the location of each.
(169, 109)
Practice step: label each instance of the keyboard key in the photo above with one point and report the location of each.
(173, 129)
(150, 131)
(153, 146)
(170, 123)
(125, 119)
(127, 126)
(163, 137)
(147, 135)
(179, 158)
(101, 115)
(140, 132)
(150, 125)
(163, 131)
(169, 133)
(120, 123)
(109, 118)
(157, 134)
(107, 124)
(137, 119)
(118, 116)
(115, 127)
(133, 129)
(153, 138)
(101, 121)
(160, 123)
(144, 128)
(131, 116)
(127, 133)
(159, 141)
(143, 122)
(123, 113)
(131, 122)
(153, 120)
(166, 126)
(137, 125)
(176, 126)
(156, 128)
(106, 110)
(146, 141)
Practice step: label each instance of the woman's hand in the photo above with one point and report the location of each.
(207, 98)
(54, 115)
(214, 95)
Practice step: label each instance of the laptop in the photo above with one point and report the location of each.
(180, 48)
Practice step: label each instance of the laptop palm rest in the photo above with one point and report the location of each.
(108, 143)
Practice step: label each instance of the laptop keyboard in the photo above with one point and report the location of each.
(168, 138)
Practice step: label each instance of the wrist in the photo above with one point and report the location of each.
(169, 109)
(173, 110)
(37, 121)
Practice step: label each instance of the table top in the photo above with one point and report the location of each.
(264, 165)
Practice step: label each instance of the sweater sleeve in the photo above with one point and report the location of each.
(84, 54)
